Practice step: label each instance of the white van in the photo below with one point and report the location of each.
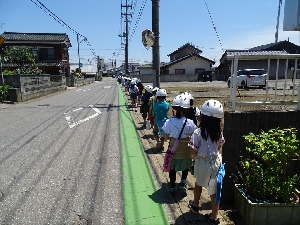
(250, 77)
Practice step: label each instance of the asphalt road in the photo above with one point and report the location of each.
(60, 160)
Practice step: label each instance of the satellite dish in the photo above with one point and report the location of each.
(148, 38)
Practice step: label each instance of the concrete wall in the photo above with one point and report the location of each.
(146, 70)
(34, 86)
(83, 81)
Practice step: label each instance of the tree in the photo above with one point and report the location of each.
(19, 55)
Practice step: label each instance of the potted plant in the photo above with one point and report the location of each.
(264, 191)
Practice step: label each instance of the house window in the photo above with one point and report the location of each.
(46, 53)
(179, 71)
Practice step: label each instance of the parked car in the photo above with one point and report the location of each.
(250, 77)
(205, 76)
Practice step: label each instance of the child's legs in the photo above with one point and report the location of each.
(155, 133)
(184, 174)
(197, 194)
(172, 176)
(214, 207)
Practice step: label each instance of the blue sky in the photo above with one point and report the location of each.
(240, 24)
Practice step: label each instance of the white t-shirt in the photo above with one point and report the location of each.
(173, 126)
(202, 147)
(133, 90)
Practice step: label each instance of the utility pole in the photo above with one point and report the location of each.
(78, 51)
(155, 47)
(126, 14)
(78, 42)
(277, 25)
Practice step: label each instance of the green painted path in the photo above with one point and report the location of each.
(138, 184)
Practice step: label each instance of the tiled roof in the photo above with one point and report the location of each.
(248, 52)
(45, 37)
(186, 57)
(187, 45)
(265, 47)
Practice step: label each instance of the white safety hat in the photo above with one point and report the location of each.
(161, 92)
(155, 89)
(185, 101)
(188, 95)
(149, 88)
(177, 100)
(212, 108)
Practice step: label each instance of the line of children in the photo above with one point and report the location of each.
(201, 143)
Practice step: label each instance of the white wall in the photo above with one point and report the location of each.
(145, 70)
(86, 68)
(190, 65)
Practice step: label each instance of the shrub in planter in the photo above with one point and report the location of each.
(263, 175)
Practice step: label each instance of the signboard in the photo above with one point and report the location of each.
(291, 20)
(1, 40)
(148, 38)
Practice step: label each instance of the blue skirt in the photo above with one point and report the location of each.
(133, 95)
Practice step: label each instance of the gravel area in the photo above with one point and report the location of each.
(220, 91)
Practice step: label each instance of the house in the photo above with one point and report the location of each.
(146, 69)
(281, 47)
(187, 60)
(133, 68)
(50, 49)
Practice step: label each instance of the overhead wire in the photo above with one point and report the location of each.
(60, 21)
(138, 19)
(132, 12)
(215, 28)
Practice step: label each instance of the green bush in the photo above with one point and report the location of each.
(9, 72)
(263, 175)
(4, 90)
(99, 78)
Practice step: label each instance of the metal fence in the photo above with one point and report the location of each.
(282, 89)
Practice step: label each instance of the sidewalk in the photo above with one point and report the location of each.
(176, 206)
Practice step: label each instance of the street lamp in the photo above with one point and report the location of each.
(78, 42)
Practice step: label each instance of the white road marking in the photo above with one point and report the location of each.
(78, 90)
(73, 123)
(107, 87)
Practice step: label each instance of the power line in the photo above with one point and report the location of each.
(60, 21)
(138, 19)
(215, 28)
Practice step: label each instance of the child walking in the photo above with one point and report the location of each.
(205, 144)
(145, 103)
(160, 112)
(172, 128)
(133, 90)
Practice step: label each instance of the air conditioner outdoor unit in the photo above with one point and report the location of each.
(291, 20)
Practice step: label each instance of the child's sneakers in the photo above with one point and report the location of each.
(195, 209)
(183, 186)
(212, 221)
